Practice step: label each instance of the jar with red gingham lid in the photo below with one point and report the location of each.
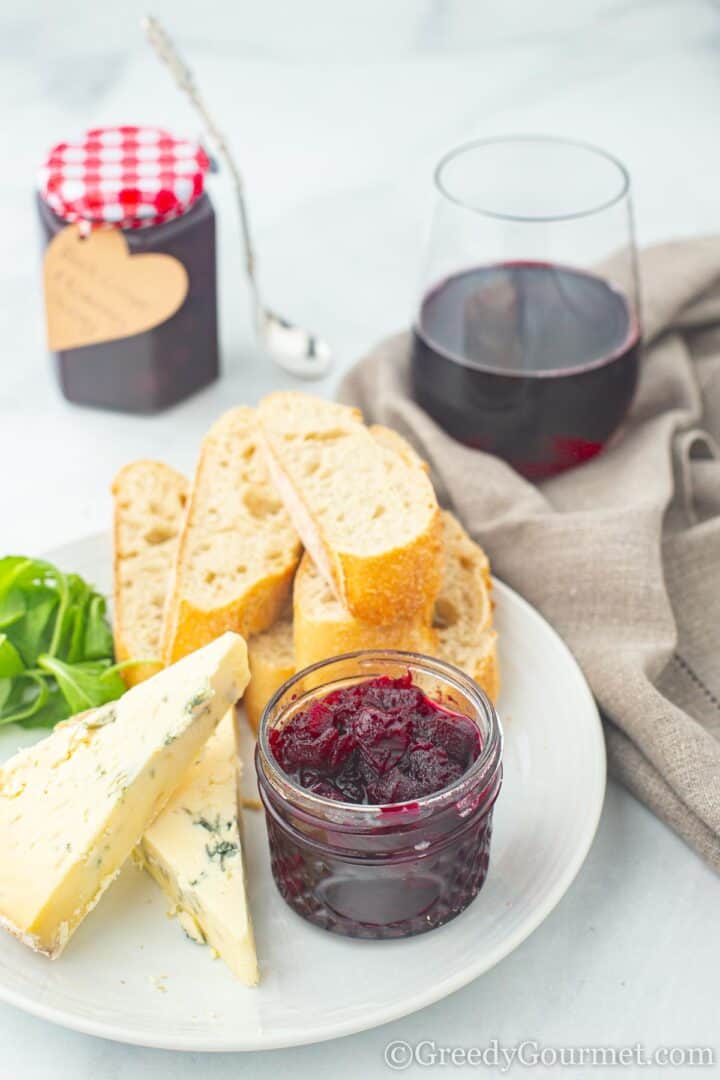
(150, 186)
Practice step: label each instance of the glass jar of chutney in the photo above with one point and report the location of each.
(364, 840)
(150, 187)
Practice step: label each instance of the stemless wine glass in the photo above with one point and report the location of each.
(527, 334)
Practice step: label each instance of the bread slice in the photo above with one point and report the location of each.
(464, 613)
(271, 657)
(323, 627)
(367, 515)
(238, 549)
(148, 509)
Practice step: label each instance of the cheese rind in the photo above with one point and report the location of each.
(73, 806)
(194, 852)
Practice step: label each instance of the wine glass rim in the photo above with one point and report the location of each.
(486, 141)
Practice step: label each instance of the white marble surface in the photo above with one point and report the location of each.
(338, 111)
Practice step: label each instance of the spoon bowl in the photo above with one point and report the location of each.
(294, 349)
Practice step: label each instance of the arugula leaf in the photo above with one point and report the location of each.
(56, 646)
(53, 709)
(70, 641)
(11, 568)
(85, 685)
(98, 638)
(11, 663)
(63, 616)
(12, 607)
(29, 694)
(32, 634)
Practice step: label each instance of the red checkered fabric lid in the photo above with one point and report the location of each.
(126, 176)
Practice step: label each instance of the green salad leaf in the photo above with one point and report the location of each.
(12, 607)
(85, 685)
(10, 660)
(56, 646)
(5, 690)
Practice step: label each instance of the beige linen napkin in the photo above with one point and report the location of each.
(622, 554)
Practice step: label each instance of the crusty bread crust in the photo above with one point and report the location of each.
(323, 627)
(464, 610)
(393, 440)
(377, 583)
(149, 500)
(232, 484)
(462, 634)
(457, 626)
(190, 627)
(372, 584)
(486, 670)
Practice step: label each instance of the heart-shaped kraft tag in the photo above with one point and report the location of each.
(95, 290)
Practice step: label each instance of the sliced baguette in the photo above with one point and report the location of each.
(148, 509)
(238, 549)
(462, 633)
(464, 613)
(367, 515)
(323, 627)
(272, 660)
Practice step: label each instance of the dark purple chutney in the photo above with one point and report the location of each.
(399, 841)
(380, 741)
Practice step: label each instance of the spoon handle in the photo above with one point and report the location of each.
(183, 76)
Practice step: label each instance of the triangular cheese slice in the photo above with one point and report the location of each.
(194, 852)
(73, 806)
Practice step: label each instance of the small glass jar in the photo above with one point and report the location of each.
(381, 871)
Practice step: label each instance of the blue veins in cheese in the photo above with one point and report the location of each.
(73, 807)
(194, 851)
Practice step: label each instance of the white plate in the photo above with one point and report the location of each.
(130, 974)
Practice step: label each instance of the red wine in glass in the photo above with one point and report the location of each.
(526, 335)
(534, 362)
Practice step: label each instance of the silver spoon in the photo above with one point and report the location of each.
(292, 348)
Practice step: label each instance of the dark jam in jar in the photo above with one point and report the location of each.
(380, 741)
(378, 772)
(156, 184)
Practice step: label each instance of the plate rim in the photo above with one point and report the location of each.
(378, 1017)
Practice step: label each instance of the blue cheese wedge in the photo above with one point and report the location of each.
(194, 852)
(73, 807)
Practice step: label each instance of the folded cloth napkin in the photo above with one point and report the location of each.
(621, 554)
